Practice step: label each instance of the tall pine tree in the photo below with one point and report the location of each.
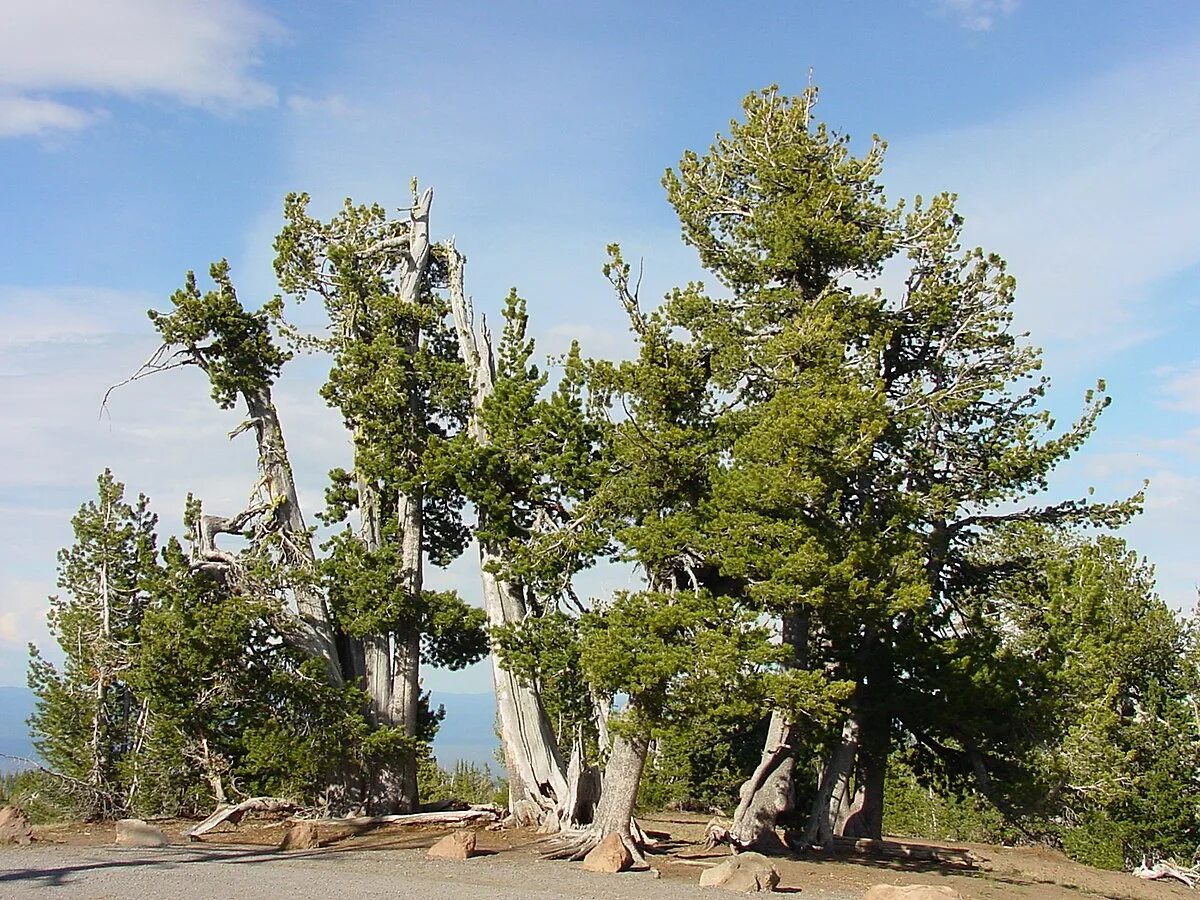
(89, 723)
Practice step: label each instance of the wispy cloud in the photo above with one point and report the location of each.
(23, 606)
(1087, 194)
(196, 52)
(976, 15)
(1180, 387)
(22, 116)
(30, 317)
(329, 105)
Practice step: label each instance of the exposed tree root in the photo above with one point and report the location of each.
(719, 832)
(575, 845)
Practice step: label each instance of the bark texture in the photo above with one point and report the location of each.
(831, 806)
(769, 792)
(614, 814)
(315, 632)
(539, 790)
(864, 814)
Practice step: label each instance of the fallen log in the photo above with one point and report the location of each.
(902, 850)
(449, 817)
(1166, 869)
(234, 814)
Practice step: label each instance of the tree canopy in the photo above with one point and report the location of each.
(829, 472)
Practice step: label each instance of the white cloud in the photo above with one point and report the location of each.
(1180, 388)
(30, 317)
(34, 116)
(1089, 194)
(331, 105)
(196, 52)
(976, 15)
(23, 606)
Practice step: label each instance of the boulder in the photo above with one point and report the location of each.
(610, 855)
(457, 845)
(300, 836)
(136, 833)
(911, 892)
(749, 873)
(14, 826)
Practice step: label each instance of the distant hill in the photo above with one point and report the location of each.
(16, 706)
(468, 732)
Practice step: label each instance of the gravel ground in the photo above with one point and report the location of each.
(220, 872)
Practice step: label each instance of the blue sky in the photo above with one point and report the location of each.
(141, 138)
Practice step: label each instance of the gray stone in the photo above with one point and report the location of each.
(14, 826)
(458, 845)
(747, 873)
(136, 833)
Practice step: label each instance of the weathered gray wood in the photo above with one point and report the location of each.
(538, 789)
(234, 814)
(614, 814)
(449, 817)
(832, 805)
(767, 794)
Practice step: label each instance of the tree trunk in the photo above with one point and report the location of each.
(393, 662)
(864, 818)
(100, 776)
(537, 784)
(769, 792)
(614, 814)
(831, 805)
(622, 775)
(377, 658)
(316, 633)
(406, 692)
(539, 792)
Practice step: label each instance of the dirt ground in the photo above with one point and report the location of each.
(81, 861)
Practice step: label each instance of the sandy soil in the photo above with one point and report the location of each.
(81, 861)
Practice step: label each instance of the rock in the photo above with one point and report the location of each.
(610, 855)
(749, 873)
(14, 826)
(458, 845)
(911, 892)
(136, 833)
(300, 836)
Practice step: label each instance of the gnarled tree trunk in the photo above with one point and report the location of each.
(769, 792)
(614, 814)
(315, 632)
(864, 816)
(831, 806)
(539, 790)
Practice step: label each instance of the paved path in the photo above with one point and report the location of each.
(203, 872)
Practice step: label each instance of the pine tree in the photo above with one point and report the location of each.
(233, 706)
(399, 384)
(1106, 760)
(90, 723)
(871, 435)
(527, 462)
